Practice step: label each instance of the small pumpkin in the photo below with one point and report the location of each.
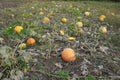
(87, 13)
(22, 46)
(102, 17)
(81, 31)
(79, 24)
(18, 29)
(71, 38)
(64, 20)
(79, 17)
(41, 13)
(51, 13)
(103, 29)
(31, 41)
(62, 32)
(46, 20)
(68, 55)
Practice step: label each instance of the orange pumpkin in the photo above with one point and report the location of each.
(68, 55)
(31, 41)
(102, 18)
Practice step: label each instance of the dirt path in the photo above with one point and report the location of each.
(12, 3)
(9, 3)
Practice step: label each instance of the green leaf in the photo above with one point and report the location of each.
(64, 75)
(90, 77)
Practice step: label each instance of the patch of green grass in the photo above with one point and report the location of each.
(11, 34)
(64, 75)
(90, 77)
(75, 11)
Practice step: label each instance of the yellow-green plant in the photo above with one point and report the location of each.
(13, 64)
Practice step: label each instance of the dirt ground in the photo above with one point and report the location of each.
(9, 3)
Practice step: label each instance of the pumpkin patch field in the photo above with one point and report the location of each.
(59, 40)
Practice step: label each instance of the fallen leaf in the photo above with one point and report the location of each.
(103, 49)
(62, 32)
(71, 38)
(59, 65)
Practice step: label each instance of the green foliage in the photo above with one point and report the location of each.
(13, 63)
(115, 40)
(26, 15)
(90, 77)
(10, 33)
(64, 75)
(21, 63)
(75, 11)
(87, 23)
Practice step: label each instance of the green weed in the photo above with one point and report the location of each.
(90, 77)
(64, 75)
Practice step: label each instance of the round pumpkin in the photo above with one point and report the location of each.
(103, 29)
(51, 13)
(18, 29)
(103, 16)
(79, 24)
(22, 46)
(87, 13)
(31, 41)
(41, 13)
(68, 55)
(64, 20)
(101, 19)
(46, 20)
